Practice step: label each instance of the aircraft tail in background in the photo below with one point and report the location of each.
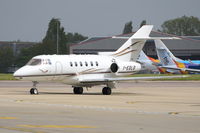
(169, 63)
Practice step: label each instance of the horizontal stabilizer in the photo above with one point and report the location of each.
(149, 38)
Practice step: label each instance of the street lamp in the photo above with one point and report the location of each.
(57, 38)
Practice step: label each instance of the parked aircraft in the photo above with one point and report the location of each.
(172, 64)
(88, 70)
(148, 63)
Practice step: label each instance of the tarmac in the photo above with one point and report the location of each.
(134, 107)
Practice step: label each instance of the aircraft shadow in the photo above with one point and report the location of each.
(87, 93)
(96, 93)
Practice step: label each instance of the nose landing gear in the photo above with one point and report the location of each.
(34, 91)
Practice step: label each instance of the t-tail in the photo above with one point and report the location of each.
(131, 49)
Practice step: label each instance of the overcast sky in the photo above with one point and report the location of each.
(27, 20)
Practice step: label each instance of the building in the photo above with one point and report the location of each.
(187, 48)
(16, 45)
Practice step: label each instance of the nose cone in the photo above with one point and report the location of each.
(18, 73)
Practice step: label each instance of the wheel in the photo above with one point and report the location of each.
(78, 90)
(106, 91)
(33, 91)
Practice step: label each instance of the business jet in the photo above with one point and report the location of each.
(172, 64)
(88, 70)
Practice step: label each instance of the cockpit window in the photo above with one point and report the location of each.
(34, 62)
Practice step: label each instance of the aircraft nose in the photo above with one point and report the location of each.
(18, 73)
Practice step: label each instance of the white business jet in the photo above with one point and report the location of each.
(88, 70)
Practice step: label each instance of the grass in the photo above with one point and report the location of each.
(6, 76)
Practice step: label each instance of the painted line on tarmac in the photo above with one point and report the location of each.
(21, 129)
(8, 118)
(56, 126)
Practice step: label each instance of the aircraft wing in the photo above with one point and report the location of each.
(128, 78)
(182, 69)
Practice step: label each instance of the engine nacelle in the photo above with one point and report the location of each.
(125, 67)
(114, 67)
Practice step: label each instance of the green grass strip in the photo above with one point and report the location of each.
(4, 76)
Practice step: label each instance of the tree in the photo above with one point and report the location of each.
(144, 22)
(75, 38)
(6, 58)
(55, 32)
(183, 26)
(128, 28)
(48, 45)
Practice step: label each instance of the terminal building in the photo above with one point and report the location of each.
(186, 48)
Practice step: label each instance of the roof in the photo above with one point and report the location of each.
(110, 44)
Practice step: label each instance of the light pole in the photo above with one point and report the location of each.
(57, 38)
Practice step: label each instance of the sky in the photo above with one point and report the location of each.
(27, 20)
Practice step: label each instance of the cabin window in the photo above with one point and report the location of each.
(97, 64)
(71, 64)
(86, 64)
(34, 62)
(76, 64)
(91, 63)
(81, 64)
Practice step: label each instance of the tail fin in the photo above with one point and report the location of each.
(131, 49)
(160, 45)
(164, 55)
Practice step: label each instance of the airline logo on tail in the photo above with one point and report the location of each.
(168, 61)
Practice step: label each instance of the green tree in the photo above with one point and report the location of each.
(75, 38)
(6, 58)
(144, 22)
(128, 28)
(54, 32)
(183, 26)
(48, 45)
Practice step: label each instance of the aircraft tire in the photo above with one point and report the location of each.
(33, 91)
(106, 91)
(78, 90)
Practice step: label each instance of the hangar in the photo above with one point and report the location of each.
(186, 48)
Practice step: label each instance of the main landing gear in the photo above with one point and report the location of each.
(106, 91)
(78, 90)
(34, 91)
